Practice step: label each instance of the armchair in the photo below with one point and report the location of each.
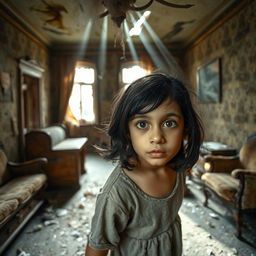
(233, 179)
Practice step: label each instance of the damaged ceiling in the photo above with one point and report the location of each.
(64, 21)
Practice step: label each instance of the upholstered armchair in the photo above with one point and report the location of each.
(217, 156)
(233, 179)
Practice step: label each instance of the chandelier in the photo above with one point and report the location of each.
(117, 8)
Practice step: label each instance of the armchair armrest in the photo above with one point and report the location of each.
(237, 173)
(28, 167)
(221, 163)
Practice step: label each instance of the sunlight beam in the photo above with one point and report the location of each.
(103, 48)
(130, 42)
(150, 49)
(85, 38)
(172, 65)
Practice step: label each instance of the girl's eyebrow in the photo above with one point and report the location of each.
(174, 114)
(147, 116)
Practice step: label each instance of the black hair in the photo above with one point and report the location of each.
(146, 94)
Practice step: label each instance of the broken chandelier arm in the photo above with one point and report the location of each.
(174, 5)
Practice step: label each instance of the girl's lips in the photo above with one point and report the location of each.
(157, 153)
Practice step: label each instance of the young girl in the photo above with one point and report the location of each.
(155, 135)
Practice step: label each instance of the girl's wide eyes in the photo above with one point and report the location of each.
(167, 123)
(170, 123)
(142, 124)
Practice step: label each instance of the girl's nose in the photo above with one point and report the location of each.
(157, 136)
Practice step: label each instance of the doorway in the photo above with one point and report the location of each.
(31, 106)
(29, 95)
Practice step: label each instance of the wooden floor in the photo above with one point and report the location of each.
(61, 226)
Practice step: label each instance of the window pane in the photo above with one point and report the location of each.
(132, 73)
(84, 75)
(87, 103)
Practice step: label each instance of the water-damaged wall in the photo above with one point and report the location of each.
(234, 118)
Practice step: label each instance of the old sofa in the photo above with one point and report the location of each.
(20, 187)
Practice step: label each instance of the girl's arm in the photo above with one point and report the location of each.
(92, 252)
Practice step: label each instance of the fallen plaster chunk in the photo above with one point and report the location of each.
(20, 252)
(36, 228)
(61, 212)
(51, 222)
(214, 215)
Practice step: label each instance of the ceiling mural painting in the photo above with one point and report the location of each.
(177, 28)
(51, 15)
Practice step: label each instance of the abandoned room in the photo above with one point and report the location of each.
(61, 65)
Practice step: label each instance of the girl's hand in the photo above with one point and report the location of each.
(92, 252)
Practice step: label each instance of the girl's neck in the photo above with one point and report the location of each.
(157, 182)
(140, 169)
(144, 168)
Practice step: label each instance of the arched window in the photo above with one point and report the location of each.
(82, 99)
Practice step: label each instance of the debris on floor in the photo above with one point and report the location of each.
(62, 227)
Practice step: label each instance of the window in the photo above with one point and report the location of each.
(82, 100)
(131, 71)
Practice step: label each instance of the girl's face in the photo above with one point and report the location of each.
(157, 136)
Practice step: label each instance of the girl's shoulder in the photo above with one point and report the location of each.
(113, 178)
(116, 183)
(116, 190)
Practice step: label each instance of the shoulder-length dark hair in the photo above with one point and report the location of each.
(146, 94)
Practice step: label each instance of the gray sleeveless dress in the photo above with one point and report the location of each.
(129, 222)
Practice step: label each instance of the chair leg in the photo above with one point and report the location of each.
(237, 214)
(206, 196)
